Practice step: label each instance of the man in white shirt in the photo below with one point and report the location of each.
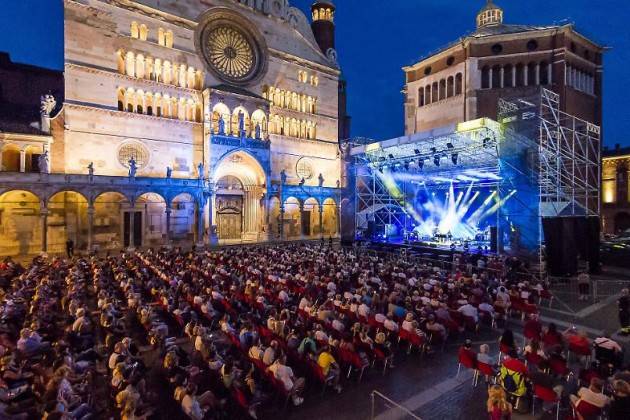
(284, 374)
(607, 343)
(470, 311)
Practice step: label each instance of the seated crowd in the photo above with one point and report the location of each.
(560, 370)
(230, 330)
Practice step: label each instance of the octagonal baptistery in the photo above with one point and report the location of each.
(182, 85)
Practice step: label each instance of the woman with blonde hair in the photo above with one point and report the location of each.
(498, 406)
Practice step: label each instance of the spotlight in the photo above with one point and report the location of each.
(436, 160)
(420, 164)
(416, 151)
(450, 146)
(486, 141)
(433, 150)
(381, 159)
(380, 169)
(393, 169)
(391, 156)
(406, 166)
(454, 157)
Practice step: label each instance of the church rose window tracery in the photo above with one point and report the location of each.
(136, 150)
(231, 47)
(230, 52)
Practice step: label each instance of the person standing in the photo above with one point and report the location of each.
(624, 309)
(70, 248)
(584, 283)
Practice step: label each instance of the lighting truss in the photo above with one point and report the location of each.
(474, 142)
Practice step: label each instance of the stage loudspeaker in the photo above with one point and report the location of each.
(494, 239)
(371, 229)
(561, 236)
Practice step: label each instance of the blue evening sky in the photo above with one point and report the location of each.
(375, 38)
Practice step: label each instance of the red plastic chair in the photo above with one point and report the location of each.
(587, 410)
(485, 370)
(546, 395)
(466, 358)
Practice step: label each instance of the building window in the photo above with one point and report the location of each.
(135, 30)
(532, 45)
(609, 191)
(497, 49)
(136, 150)
(485, 77)
(421, 96)
(427, 71)
(144, 32)
(459, 84)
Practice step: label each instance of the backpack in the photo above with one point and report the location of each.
(509, 383)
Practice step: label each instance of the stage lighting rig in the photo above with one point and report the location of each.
(390, 156)
(406, 166)
(420, 163)
(454, 158)
(436, 160)
(450, 146)
(416, 151)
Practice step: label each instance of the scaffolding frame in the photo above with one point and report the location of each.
(569, 154)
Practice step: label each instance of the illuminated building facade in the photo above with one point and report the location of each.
(615, 193)
(187, 120)
(465, 80)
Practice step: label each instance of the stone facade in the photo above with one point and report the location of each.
(236, 97)
(465, 80)
(615, 192)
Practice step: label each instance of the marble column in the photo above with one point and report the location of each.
(321, 220)
(281, 221)
(90, 217)
(132, 214)
(537, 74)
(168, 224)
(212, 233)
(22, 160)
(43, 214)
(302, 221)
(200, 224)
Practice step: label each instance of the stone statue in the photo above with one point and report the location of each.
(302, 181)
(43, 162)
(200, 170)
(169, 172)
(241, 124)
(221, 125)
(258, 130)
(338, 184)
(48, 104)
(90, 169)
(320, 179)
(133, 167)
(283, 176)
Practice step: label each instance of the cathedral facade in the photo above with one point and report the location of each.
(189, 120)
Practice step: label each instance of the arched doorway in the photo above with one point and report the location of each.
(330, 217)
(10, 158)
(240, 185)
(274, 218)
(622, 222)
(67, 219)
(292, 219)
(149, 224)
(111, 210)
(310, 217)
(229, 208)
(20, 226)
(182, 218)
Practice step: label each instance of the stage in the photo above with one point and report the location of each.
(482, 185)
